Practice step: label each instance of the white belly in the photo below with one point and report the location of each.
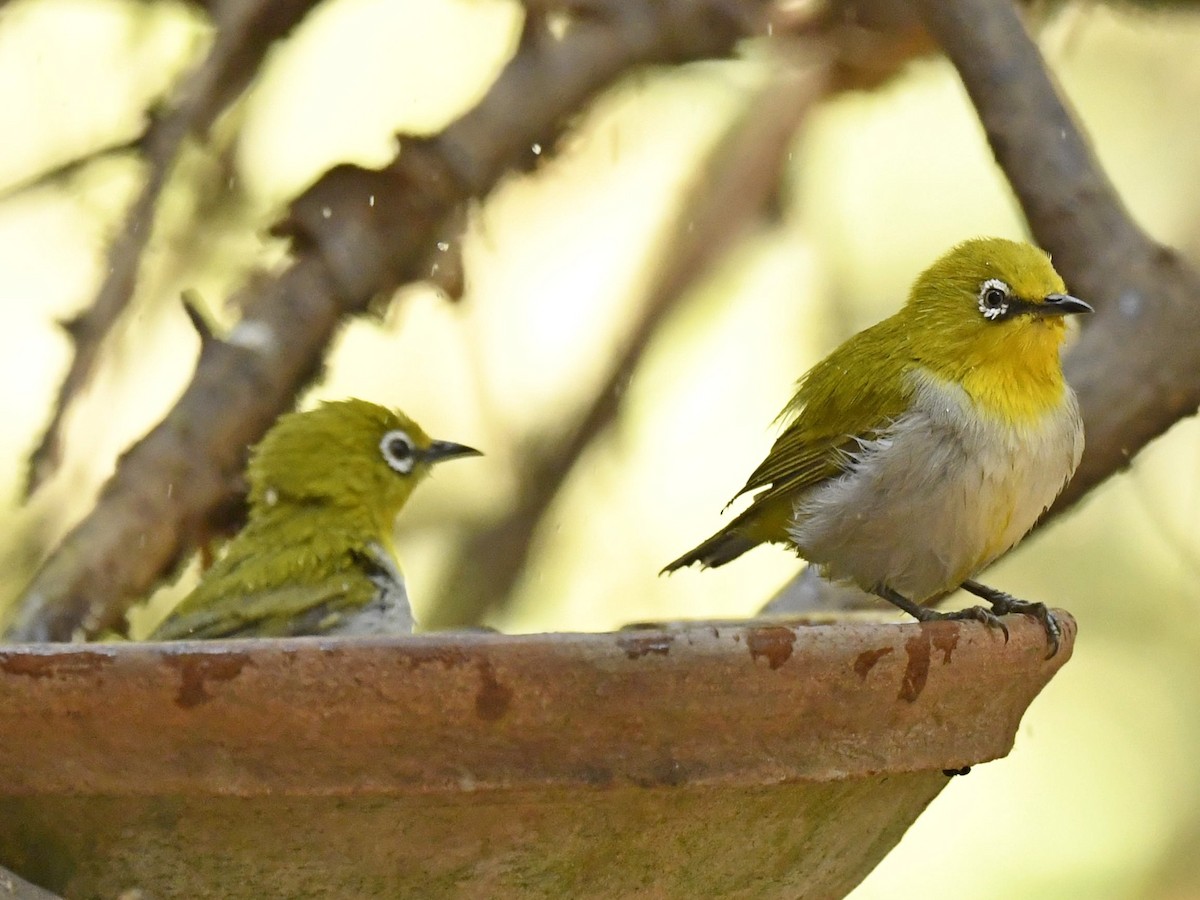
(939, 496)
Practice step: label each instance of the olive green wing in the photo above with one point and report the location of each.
(848, 398)
(808, 453)
(235, 602)
(291, 609)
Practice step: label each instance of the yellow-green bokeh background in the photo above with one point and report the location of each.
(1101, 796)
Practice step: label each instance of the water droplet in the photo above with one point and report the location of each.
(271, 497)
(253, 334)
(537, 149)
(326, 212)
(371, 200)
(443, 245)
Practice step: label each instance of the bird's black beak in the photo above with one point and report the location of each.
(440, 451)
(1061, 305)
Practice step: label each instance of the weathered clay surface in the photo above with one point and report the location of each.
(748, 759)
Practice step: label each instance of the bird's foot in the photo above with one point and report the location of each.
(976, 613)
(924, 614)
(1003, 604)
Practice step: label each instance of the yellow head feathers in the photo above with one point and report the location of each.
(989, 281)
(344, 452)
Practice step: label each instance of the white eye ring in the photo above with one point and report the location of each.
(991, 306)
(398, 451)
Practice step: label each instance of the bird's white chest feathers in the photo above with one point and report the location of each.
(389, 612)
(939, 496)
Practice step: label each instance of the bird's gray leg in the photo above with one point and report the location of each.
(1003, 604)
(924, 614)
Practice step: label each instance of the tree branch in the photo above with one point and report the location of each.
(357, 233)
(732, 187)
(1136, 367)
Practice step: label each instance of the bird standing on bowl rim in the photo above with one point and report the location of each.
(316, 554)
(927, 445)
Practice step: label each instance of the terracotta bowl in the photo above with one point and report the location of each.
(749, 759)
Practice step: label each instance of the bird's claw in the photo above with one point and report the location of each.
(1004, 603)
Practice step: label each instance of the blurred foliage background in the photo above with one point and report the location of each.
(1100, 798)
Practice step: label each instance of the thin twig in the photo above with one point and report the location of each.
(245, 31)
(63, 171)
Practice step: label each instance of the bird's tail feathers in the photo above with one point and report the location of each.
(762, 522)
(727, 544)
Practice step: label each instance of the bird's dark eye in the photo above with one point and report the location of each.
(993, 298)
(398, 451)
